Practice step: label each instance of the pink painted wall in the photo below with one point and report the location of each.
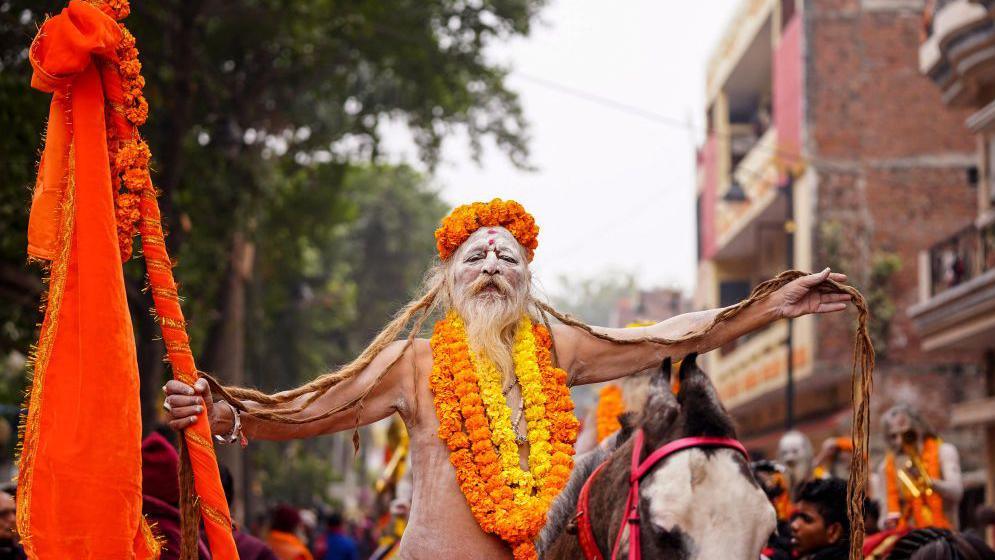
(708, 158)
(788, 91)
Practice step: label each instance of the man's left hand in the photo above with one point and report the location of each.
(802, 296)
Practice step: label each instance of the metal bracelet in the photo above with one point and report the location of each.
(236, 429)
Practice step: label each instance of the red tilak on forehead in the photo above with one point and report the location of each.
(492, 231)
(490, 241)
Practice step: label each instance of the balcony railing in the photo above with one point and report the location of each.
(957, 259)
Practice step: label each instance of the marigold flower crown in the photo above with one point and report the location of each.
(460, 224)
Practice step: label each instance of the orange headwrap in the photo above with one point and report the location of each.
(460, 224)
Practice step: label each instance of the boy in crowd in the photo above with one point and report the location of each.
(820, 529)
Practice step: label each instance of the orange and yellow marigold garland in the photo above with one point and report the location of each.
(925, 510)
(610, 407)
(504, 502)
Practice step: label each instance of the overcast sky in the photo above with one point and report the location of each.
(614, 189)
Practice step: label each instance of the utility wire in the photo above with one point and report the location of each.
(640, 112)
(606, 102)
(657, 118)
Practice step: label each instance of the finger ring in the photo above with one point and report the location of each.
(165, 404)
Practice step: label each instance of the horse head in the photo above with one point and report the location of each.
(696, 503)
(700, 502)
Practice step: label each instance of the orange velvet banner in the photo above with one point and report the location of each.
(79, 489)
(79, 484)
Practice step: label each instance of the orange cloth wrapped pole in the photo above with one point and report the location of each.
(79, 484)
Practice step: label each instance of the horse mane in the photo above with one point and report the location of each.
(564, 507)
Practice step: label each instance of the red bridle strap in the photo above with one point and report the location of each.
(639, 469)
(585, 533)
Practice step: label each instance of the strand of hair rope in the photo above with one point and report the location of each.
(861, 380)
(861, 377)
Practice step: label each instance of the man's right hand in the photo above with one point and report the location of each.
(184, 403)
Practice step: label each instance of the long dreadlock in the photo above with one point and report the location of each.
(434, 293)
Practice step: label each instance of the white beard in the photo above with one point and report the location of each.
(491, 320)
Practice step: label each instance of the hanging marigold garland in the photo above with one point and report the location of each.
(129, 153)
(610, 407)
(925, 510)
(475, 423)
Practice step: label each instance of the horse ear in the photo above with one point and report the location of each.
(688, 364)
(627, 420)
(662, 381)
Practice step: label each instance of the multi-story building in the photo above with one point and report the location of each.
(956, 309)
(826, 147)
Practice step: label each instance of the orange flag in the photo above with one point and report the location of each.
(79, 484)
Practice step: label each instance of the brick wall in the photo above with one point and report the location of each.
(891, 160)
(891, 163)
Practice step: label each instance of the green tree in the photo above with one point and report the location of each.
(265, 121)
(249, 96)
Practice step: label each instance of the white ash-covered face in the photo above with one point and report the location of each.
(900, 431)
(488, 281)
(794, 449)
(490, 263)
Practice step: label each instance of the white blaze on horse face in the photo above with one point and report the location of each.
(710, 500)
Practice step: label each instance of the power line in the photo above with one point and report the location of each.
(641, 113)
(606, 102)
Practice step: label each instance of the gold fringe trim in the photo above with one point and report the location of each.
(43, 353)
(154, 240)
(215, 515)
(198, 439)
(171, 323)
(178, 347)
(153, 541)
(187, 377)
(116, 107)
(165, 293)
(158, 265)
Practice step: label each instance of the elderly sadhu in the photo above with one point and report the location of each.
(919, 482)
(486, 400)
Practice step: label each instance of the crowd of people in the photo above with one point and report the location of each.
(913, 500)
(902, 519)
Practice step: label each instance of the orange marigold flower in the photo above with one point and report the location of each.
(466, 219)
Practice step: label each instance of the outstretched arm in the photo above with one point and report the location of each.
(388, 396)
(590, 359)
